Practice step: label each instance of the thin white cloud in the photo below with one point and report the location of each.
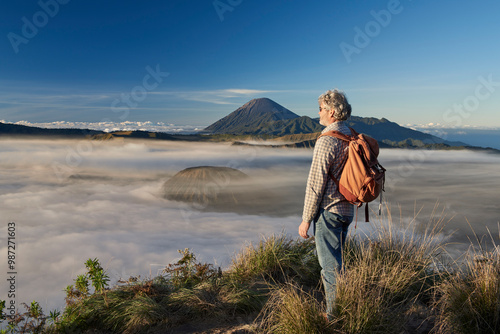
(218, 96)
(248, 91)
(209, 99)
(49, 99)
(407, 88)
(449, 126)
(46, 105)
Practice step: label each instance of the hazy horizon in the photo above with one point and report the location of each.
(73, 199)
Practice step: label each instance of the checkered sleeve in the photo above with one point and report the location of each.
(323, 158)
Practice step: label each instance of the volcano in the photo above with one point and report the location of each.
(252, 115)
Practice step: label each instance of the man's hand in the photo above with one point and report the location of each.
(303, 228)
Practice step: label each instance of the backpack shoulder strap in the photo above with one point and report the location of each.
(336, 134)
(343, 137)
(340, 135)
(354, 133)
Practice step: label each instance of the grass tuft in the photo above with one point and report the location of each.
(387, 274)
(290, 309)
(277, 259)
(469, 299)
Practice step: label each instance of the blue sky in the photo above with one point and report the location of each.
(193, 62)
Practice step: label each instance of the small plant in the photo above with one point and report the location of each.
(80, 290)
(97, 275)
(3, 316)
(82, 284)
(186, 272)
(54, 316)
(31, 321)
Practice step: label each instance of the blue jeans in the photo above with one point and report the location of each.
(330, 231)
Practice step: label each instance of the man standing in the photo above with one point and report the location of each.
(324, 205)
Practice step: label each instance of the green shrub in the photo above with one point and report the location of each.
(132, 307)
(186, 272)
(189, 290)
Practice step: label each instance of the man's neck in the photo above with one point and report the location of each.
(334, 121)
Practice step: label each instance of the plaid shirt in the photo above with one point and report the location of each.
(321, 190)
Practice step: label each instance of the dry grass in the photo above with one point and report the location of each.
(277, 259)
(468, 300)
(292, 310)
(387, 275)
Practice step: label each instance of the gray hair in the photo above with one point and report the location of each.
(337, 101)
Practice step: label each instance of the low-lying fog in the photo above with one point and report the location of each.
(74, 200)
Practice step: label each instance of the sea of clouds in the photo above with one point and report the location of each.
(73, 199)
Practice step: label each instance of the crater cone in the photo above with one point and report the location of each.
(224, 189)
(207, 186)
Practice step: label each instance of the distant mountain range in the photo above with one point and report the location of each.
(266, 117)
(7, 129)
(17, 130)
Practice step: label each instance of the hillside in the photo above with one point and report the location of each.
(272, 287)
(261, 117)
(16, 130)
(390, 132)
(7, 129)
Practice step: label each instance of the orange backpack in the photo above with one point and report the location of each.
(363, 178)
